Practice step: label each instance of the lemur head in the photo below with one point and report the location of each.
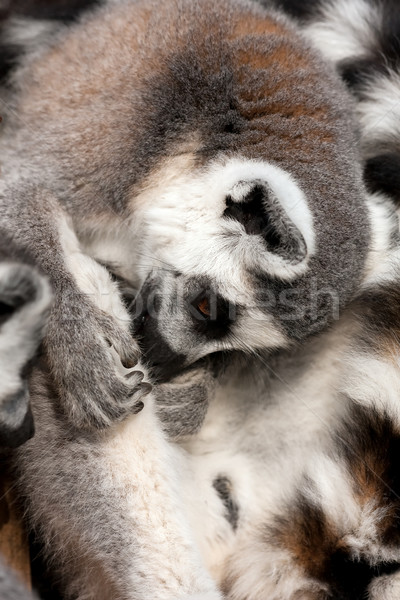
(224, 148)
(240, 260)
(255, 227)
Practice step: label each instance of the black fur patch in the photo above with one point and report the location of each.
(370, 444)
(299, 9)
(349, 579)
(65, 11)
(381, 315)
(8, 60)
(6, 312)
(355, 71)
(223, 487)
(261, 215)
(44, 582)
(162, 360)
(382, 173)
(220, 313)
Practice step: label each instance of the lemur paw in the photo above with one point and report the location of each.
(24, 305)
(92, 359)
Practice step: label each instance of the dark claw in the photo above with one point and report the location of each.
(138, 408)
(146, 387)
(128, 363)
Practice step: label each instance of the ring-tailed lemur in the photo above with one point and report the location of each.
(216, 151)
(337, 534)
(222, 147)
(334, 533)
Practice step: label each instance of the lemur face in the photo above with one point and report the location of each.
(216, 238)
(230, 261)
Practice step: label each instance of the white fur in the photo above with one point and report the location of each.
(255, 329)
(182, 212)
(374, 381)
(379, 110)
(27, 33)
(344, 29)
(92, 279)
(262, 572)
(382, 261)
(152, 474)
(386, 587)
(333, 492)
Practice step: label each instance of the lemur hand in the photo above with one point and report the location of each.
(84, 346)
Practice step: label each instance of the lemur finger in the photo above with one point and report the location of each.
(123, 343)
(136, 385)
(146, 388)
(138, 390)
(135, 376)
(129, 393)
(138, 408)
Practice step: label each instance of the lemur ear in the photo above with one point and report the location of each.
(256, 207)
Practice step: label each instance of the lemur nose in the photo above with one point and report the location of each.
(139, 322)
(255, 206)
(161, 359)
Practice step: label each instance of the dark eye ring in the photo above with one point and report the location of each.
(6, 311)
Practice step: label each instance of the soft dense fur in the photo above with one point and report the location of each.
(244, 183)
(228, 99)
(336, 535)
(362, 39)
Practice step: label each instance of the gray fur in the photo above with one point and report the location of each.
(182, 403)
(91, 136)
(11, 587)
(69, 465)
(98, 113)
(107, 507)
(75, 328)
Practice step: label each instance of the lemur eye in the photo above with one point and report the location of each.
(211, 314)
(203, 306)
